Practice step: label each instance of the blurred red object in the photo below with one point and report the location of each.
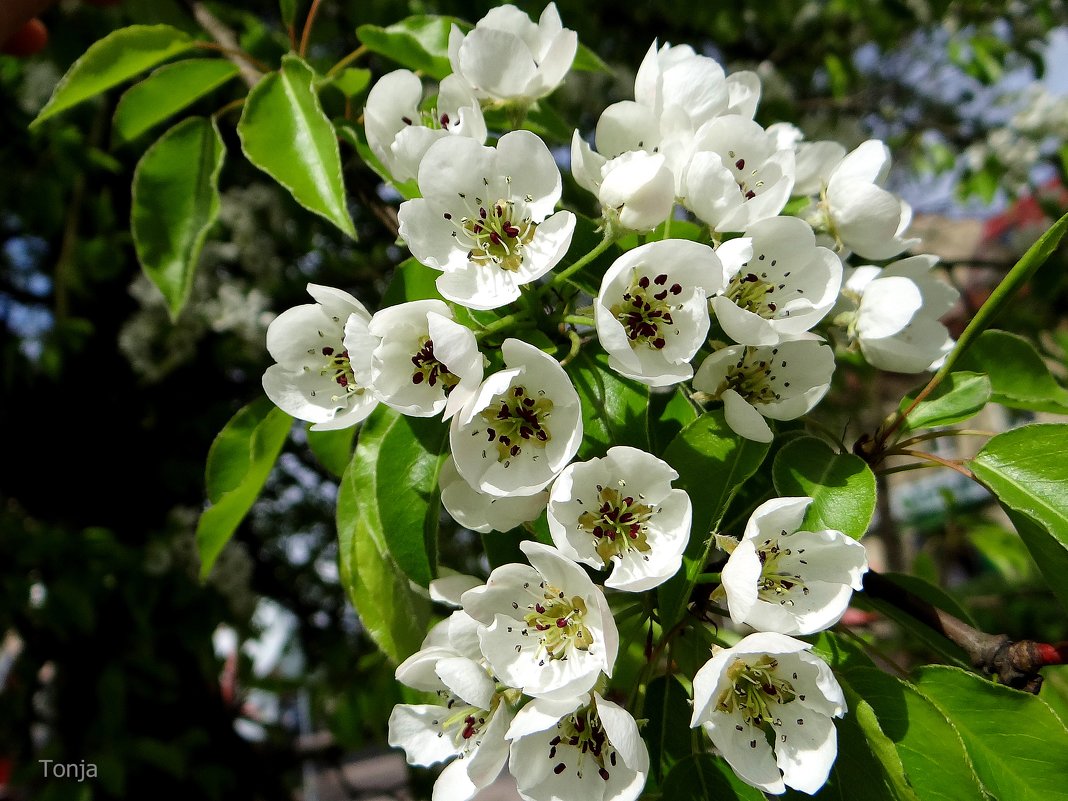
(27, 40)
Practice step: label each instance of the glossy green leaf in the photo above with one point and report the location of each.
(960, 396)
(167, 91)
(288, 10)
(840, 652)
(240, 459)
(175, 202)
(931, 750)
(587, 60)
(614, 409)
(841, 485)
(1019, 378)
(712, 461)
(1018, 746)
(667, 708)
(703, 777)
(669, 413)
(333, 448)
(119, 56)
(394, 615)
(356, 138)
(1027, 471)
(351, 81)
(420, 43)
(411, 281)
(285, 133)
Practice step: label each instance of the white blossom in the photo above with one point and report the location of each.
(857, 212)
(521, 428)
(813, 161)
(583, 748)
(767, 705)
(636, 189)
(486, 217)
(779, 578)
(424, 362)
(400, 130)
(895, 321)
(547, 629)
(779, 283)
(480, 512)
(779, 382)
(620, 510)
(652, 311)
(510, 59)
(467, 724)
(737, 174)
(323, 355)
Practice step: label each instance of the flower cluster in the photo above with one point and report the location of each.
(521, 673)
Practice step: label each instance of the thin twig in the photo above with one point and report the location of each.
(227, 43)
(950, 463)
(309, 23)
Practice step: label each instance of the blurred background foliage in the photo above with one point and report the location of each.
(108, 408)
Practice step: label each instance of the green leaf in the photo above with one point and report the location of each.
(1018, 746)
(712, 461)
(288, 10)
(667, 708)
(333, 448)
(587, 60)
(614, 409)
(411, 281)
(117, 57)
(1019, 378)
(931, 750)
(702, 777)
(839, 652)
(175, 202)
(960, 396)
(931, 593)
(351, 81)
(866, 759)
(841, 485)
(1027, 470)
(420, 43)
(240, 459)
(285, 133)
(167, 91)
(669, 413)
(394, 615)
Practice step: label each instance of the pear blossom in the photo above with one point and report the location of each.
(737, 174)
(620, 510)
(779, 283)
(779, 578)
(636, 189)
(486, 217)
(521, 428)
(813, 161)
(651, 311)
(424, 362)
(323, 355)
(467, 723)
(510, 59)
(780, 382)
(581, 748)
(895, 321)
(857, 212)
(399, 129)
(547, 628)
(767, 705)
(480, 512)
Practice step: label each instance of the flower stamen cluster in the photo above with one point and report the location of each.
(429, 369)
(518, 420)
(644, 309)
(753, 690)
(583, 731)
(619, 525)
(496, 236)
(560, 622)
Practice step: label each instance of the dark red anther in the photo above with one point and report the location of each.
(643, 282)
(445, 123)
(561, 623)
(603, 774)
(676, 289)
(740, 164)
(559, 768)
(660, 280)
(328, 351)
(406, 120)
(659, 343)
(448, 216)
(417, 378)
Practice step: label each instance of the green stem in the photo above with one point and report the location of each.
(355, 54)
(503, 324)
(579, 319)
(707, 578)
(563, 275)
(1016, 278)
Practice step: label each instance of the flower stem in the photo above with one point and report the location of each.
(309, 23)
(344, 62)
(1019, 275)
(503, 324)
(578, 319)
(563, 275)
(707, 578)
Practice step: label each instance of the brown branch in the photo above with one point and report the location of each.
(1014, 662)
(227, 41)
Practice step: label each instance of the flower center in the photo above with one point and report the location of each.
(339, 368)
(751, 293)
(619, 525)
(516, 421)
(429, 369)
(755, 691)
(464, 722)
(644, 309)
(429, 118)
(749, 377)
(559, 622)
(775, 581)
(497, 234)
(582, 730)
(748, 183)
